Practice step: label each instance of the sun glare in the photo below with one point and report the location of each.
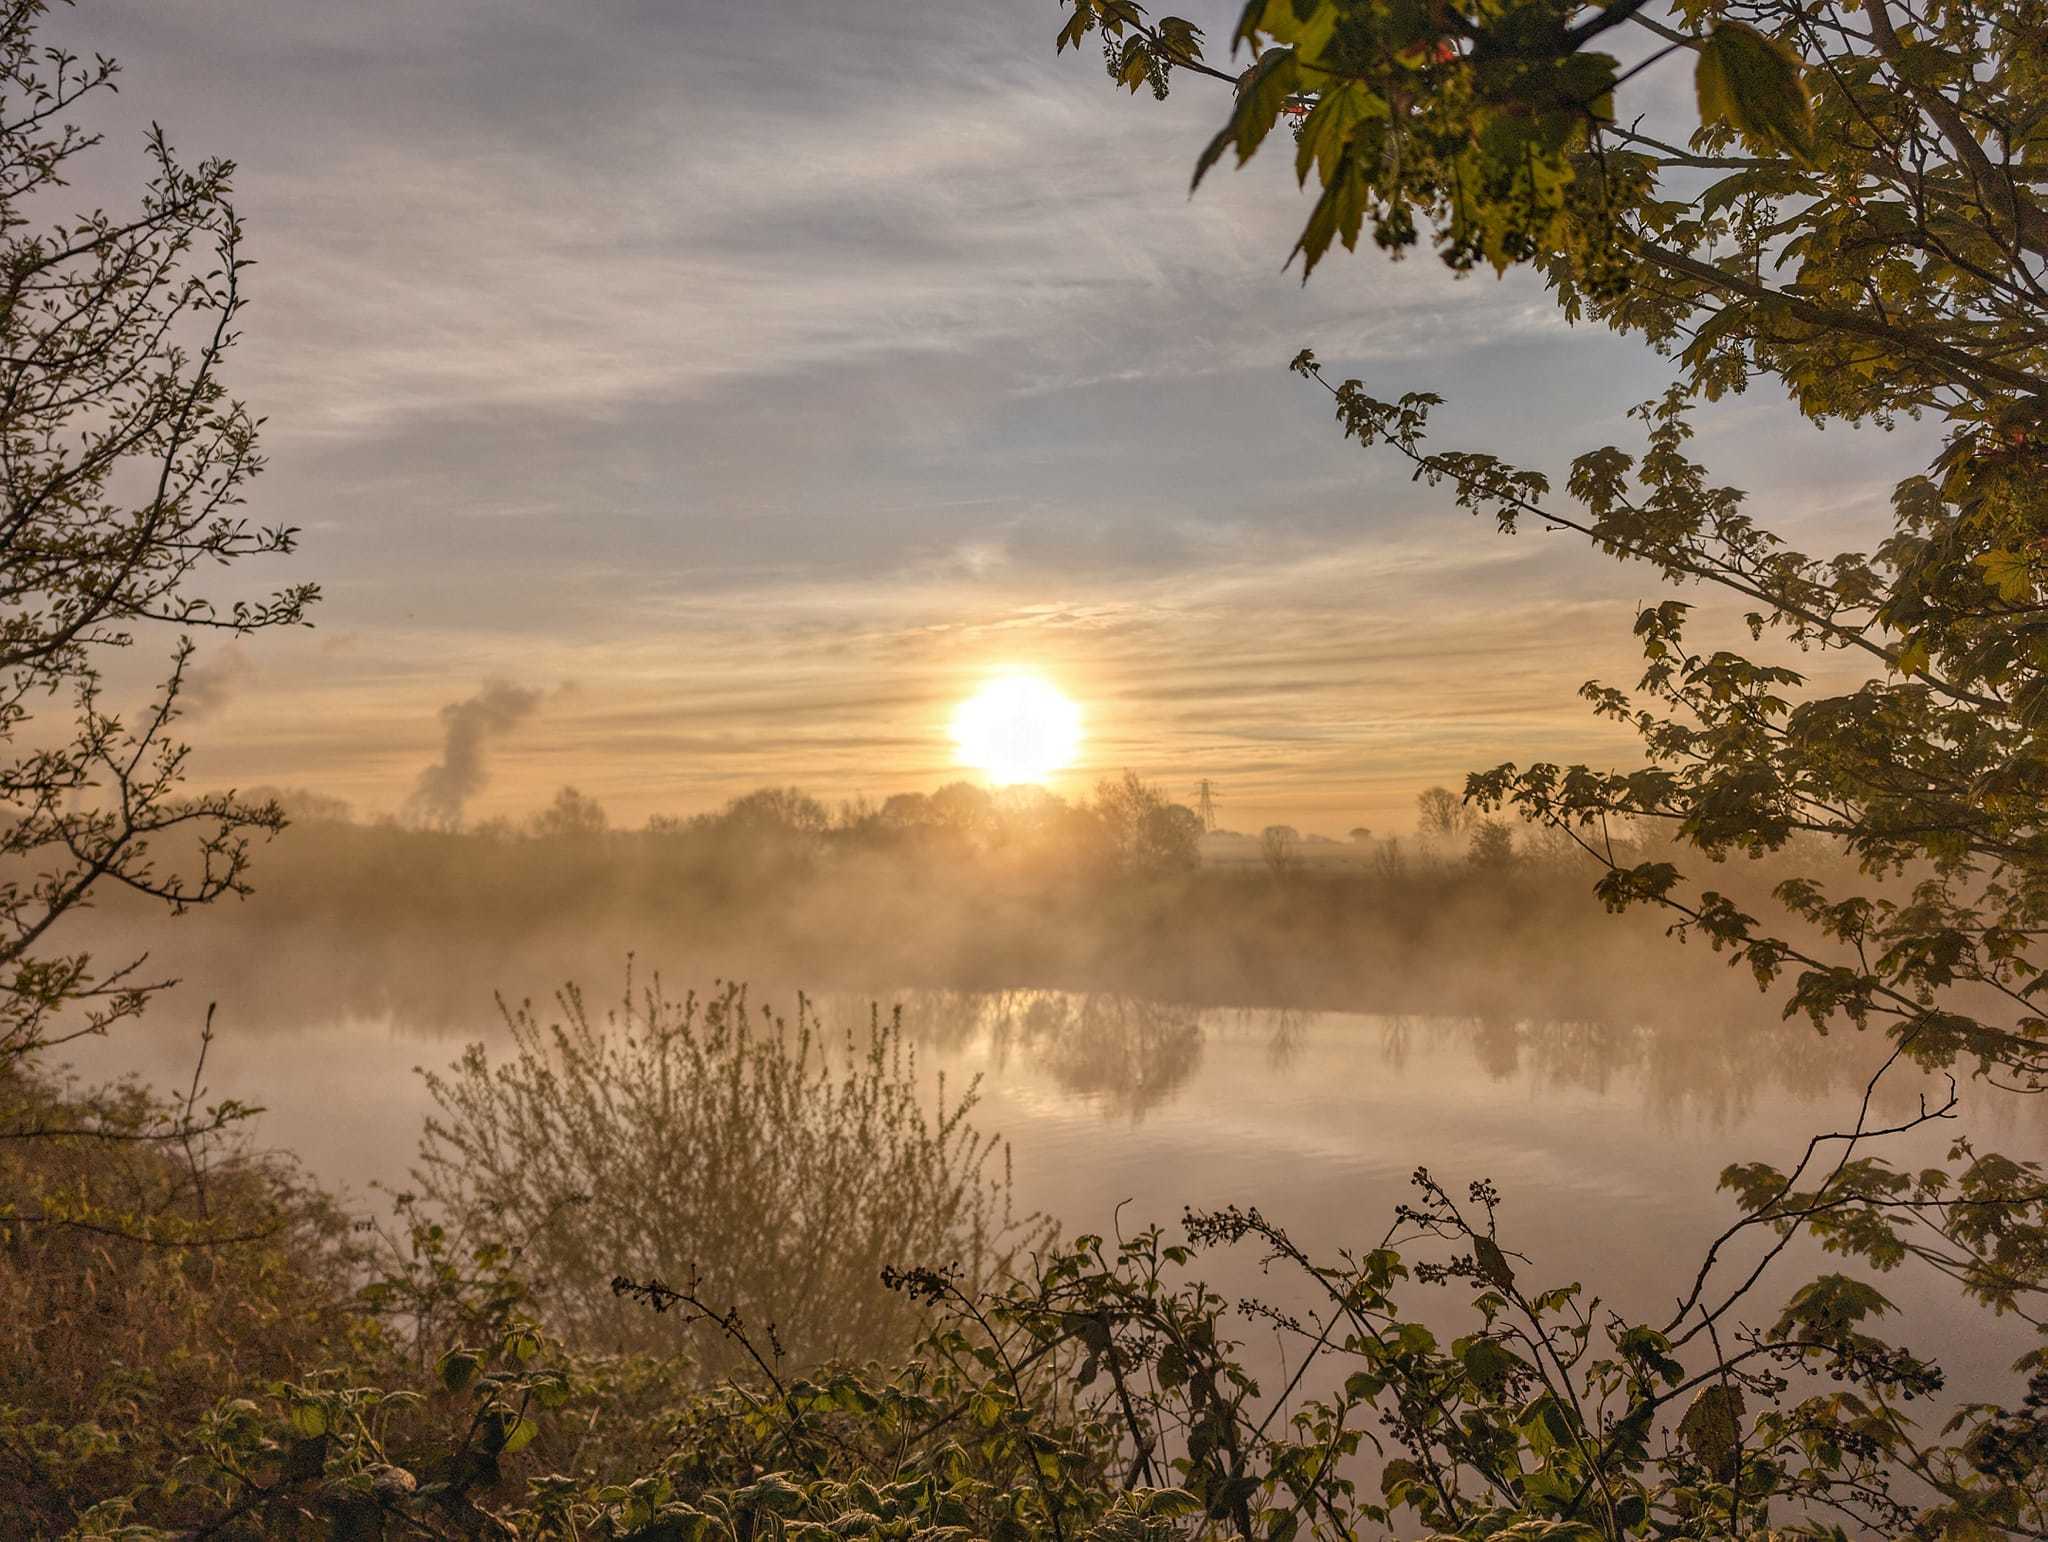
(1017, 728)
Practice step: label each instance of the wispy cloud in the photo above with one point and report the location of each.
(780, 369)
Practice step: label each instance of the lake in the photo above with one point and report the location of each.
(1605, 1140)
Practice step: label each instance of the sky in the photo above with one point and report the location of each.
(741, 385)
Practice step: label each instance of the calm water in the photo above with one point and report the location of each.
(1605, 1142)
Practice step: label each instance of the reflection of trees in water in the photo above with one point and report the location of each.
(1714, 1074)
(1136, 1055)
(1702, 1059)
(1129, 1053)
(1286, 1030)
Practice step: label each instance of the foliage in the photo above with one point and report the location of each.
(1856, 216)
(1441, 814)
(1493, 845)
(1104, 1395)
(785, 809)
(148, 1262)
(1279, 849)
(1888, 161)
(717, 1146)
(125, 466)
(1145, 832)
(573, 815)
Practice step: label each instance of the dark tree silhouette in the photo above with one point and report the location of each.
(123, 464)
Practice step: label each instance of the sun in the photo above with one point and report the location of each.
(1017, 728)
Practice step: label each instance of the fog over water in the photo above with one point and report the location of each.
(1605, 1138)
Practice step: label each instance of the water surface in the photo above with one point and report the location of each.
(1605, 1140)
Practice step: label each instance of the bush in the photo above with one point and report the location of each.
(705, 1145)
(1103, 1396)
(145, 1277)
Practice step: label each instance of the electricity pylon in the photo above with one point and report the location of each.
(1205, 802)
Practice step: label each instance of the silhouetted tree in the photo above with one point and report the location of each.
(1280, 849)
(907, 811)
(572, 815)
(1441, 814)
(1145, 832)
(777, 809)
(302, 805)
(1493, 845)
(966, 810)
(124, 467)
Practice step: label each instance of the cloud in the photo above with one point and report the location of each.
(445, 788)
(777, 370)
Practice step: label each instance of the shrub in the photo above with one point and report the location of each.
(143, 1279)
(703, 1143)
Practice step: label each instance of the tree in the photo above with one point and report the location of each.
(1146, 833)
(906, 811)
(573, 816)
(1493, 845)
(1856, 216)
(1441, 814)
(302, 805)
(123, 465)
(1173, 837)
(1361, 835)
(964, 809)
(777, 811)
(1280, 849)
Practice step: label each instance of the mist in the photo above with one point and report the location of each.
(1144, 1011)
(959, 890)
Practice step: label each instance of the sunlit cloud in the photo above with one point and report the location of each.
(779, 396)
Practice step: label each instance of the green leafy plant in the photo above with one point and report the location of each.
(1855, 216)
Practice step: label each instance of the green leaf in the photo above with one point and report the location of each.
(1338, 214)
(1306, 28)
(1711, 1429)
(520, 1436)
(1830, 1307)
(1329, 125)
(1488, 1364)
(1493, 1264)
(2007, 572)
(308, 1420)
(460, 1368)
(1363, 1386)
(1260, 98)
(1166, 1503)
(1755, 84)
(1077, 27)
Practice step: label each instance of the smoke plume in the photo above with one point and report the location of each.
(211, 682)
(445, 787)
